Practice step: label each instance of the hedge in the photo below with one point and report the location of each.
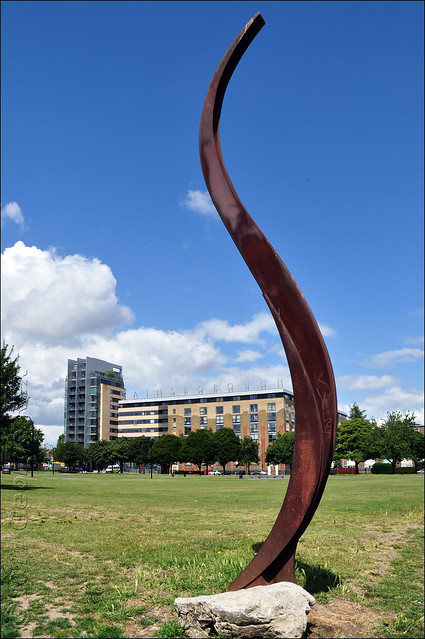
(380, 468)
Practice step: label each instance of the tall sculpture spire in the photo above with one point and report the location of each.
(308, 359)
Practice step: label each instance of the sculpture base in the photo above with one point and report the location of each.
(276, 611)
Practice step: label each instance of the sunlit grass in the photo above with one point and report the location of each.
(118, 549)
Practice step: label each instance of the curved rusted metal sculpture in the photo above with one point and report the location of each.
(308, 359)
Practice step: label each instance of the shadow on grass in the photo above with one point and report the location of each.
(26, 487)
(312, 577)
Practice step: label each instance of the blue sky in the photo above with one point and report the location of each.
(111, 247)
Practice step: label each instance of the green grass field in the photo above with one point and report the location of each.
(106, 555)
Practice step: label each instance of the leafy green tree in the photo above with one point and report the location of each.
(139, 450)
(101, 453)
(227, 446)
(354, 438)
(396, 437)
(417, 452)
(24, 444)
(12, 399)
(198, 448)
(166, 451)
(248, 452)
(121, 451)
(71, 453)
(282, 449)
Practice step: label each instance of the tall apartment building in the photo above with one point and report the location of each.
(93, 389)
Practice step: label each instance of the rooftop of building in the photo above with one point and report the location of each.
(215, 396)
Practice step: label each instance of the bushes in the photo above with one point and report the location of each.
(379, 468)
(386, 469)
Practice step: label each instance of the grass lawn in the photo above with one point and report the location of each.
(95, 555)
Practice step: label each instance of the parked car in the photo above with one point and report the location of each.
(259, 472)
(115, 468)
(420, 472)
(214, 472)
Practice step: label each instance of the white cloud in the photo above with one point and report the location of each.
(347, 383)
(415, 341)
(391, 358)
(248, 356)
(200, 202)
(13, 212)
(395, 398)
(47, 297)
(326, 330)
(248, 333)
(417, 312)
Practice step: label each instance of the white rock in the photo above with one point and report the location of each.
(262, 612)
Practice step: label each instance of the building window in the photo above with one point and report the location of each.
(219, 421)
(187, 411)
(219, 410)
(236, 408)
(271, 406)
(253, 408)
(203, 421)
(203, 410)
(187, 421)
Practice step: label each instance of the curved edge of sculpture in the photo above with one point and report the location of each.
(307, 356)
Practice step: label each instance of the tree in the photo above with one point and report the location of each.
(248, 452)
(417, 452)
(101, 453)
(354, 438)
(166, 451)
(282, 449)
(227, 446)
(120, 451)
(396, 438)
(12, 398)
(24, 443)
(139, 450)
(198, 448)
(72, 454)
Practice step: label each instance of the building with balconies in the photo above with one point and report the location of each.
(93, 389)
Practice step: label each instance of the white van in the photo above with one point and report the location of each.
(115, 468)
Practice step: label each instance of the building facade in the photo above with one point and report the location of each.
(93, 390)
(259, 414)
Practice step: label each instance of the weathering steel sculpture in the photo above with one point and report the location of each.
(308, 359)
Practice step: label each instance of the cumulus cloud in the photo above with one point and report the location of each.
(364, 382)
(249, 333)
(248, 356)
(391, 358)
(199, 202)
(395, 398)
(12, 212)
(47, 297)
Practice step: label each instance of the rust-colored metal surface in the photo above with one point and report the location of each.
(308, 359)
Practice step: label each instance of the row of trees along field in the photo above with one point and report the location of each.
(200, 447)
(358, 439)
